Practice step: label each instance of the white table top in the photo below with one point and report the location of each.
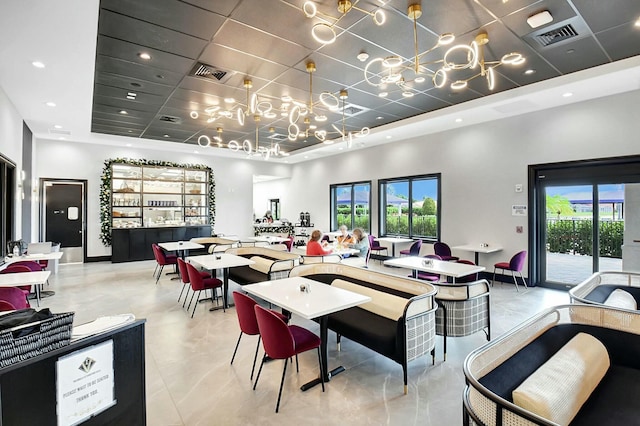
(24, 278)
(395, 240)
(180, 245)
(269, 239)
(55, 255)
(441, 267)
(491, 248)
(209, 261)
(340, 251)
(323, 299)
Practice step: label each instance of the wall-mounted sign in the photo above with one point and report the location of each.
(518, 210)
(84, 383)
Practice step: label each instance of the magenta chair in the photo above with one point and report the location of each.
(289, 243)
(444, 251)
(514, 265)
(414, 250)
(248, 322)
(23, 266)
(282, 341)
(14, 297)
(466, 278)
(198, 283)
(184, 277)
(374, 246)
(427, 276)
(6, 306)
(162, 259)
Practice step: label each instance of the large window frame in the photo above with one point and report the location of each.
(413, 229)
(356, 220)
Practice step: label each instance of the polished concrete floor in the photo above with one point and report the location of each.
(190, 380)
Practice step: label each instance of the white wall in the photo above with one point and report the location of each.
(480, 167)
(11, 148)
(273, 189)
(234, 181)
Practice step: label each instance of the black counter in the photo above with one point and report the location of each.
(133, 244)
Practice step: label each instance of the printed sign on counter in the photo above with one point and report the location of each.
(84, 382)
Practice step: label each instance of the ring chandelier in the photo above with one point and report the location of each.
(382, 72)
(324, 32)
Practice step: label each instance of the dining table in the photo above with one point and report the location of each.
(35, 257)
(334, 250)
(393, 241)
(311, 300)
(271, 239)
(181, 247)
(478, 248)
(434, 266)
(220, 261)
(18, 279)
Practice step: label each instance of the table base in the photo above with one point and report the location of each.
(317, 381)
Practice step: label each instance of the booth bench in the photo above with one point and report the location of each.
(269, 264)
(398, 323)
(616, 289)
(571, 364)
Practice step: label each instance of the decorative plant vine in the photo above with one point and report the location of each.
(106, 222)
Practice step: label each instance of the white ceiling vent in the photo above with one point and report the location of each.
(210, 72)
(556, 35)
(351, 110)
(277, 137)
(565, 31)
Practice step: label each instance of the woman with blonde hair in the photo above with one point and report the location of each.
(314, 248)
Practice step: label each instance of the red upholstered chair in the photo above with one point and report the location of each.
(289, 243)
(282, 341)
(15, 297)
(6, 306)
(414, 250)
(162, 259)
(467, 278)
(514, 265)
(22, 266)
(427, 276)
(184, 277)
(375, 247)
(444, 251)
(248, 322)
(198, 283)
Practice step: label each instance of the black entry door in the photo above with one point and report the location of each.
(64, 218)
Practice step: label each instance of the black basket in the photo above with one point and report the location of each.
(43, 336)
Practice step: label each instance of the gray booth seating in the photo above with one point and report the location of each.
(570, 364)
(306, 259)
(398, 323)
(463, 309)
(269, 264)
(600, 289)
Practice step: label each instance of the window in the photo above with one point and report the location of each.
(7, 203)
(350, 205)
(418, 218)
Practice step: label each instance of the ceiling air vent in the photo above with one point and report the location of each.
(210, 72)
(170, 119)
(556, 35)
(59, 132)
(351, 110)
(277, 137)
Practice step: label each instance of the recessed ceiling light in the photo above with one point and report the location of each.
(144, 55)
(50, 104)
(160, 76)
(129, 143)
(458, 120)
(61, 138)
(306, 156)
(362, 56)
(567, 95)
(166, 136)
(340, 148)
(133, 98)
(229, 100)
(419, 79)
(195, 152)
(637, 24)
(37, 64)
(123, 112)
(379, 117)
(57, 126)
(388, 136)
(539, 19)
(383, 94)
(130, 131)
(529, 72)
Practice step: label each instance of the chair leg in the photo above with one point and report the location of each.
(259, 371)
(320, 365)
(513, 275)
(297, 369)
(523, 281)
(191, 300)
(185, 296)
(159, 273)
(155, 270)
(196, 304)
(181, 291)
(338, 337)
(494, 276)
(236, 349)
(284, 371)
(255, 357)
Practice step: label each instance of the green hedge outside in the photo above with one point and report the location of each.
(575, 236)
(424, 226)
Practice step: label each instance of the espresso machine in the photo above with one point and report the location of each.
(305, 219)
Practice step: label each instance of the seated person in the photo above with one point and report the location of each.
(345, 238)
(361, 242)
(268, 217)
(314, 247)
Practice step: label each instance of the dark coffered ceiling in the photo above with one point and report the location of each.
(270, 42)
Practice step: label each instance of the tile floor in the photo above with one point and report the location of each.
(190, 381)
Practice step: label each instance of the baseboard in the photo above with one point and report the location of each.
(98, 259)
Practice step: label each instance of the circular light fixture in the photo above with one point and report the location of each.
(419, 79)
(270, 115)
(459, 85)
(321, 118)
(379, 17)
(286, 98)
(123, 112)
(212, 109)
(471, 56)
(383, 94)
(491, 78)
(144, 55)
(246, 146)
(204, 141)
(329, 100)
(323, 33)
(362, 56)
(366, 70)
(229, 100)
(233, 146)
(513, 58)
(240, 116)
(194, 114)
(309, 9)
(294, 115)
(439, 78)
(407, 94)
(321, 135)
(50, 104)
(446, 38)
(37, 64)
(392, 61)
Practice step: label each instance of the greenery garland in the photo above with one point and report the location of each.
(106, 222)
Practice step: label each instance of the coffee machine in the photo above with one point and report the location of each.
(305, 219)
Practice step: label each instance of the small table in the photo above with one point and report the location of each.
(477, 249)
(54, 255)
(394, 241)
(269, 239)
(25, 278)
(182, 247)
(319, 302)
(440, 267)
(222, 261)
